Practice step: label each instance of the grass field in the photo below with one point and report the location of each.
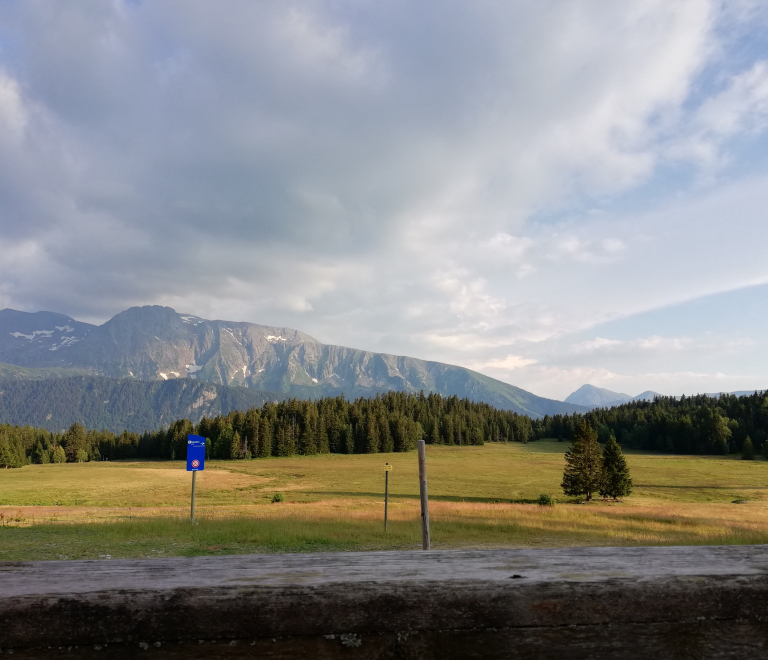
(479, 497)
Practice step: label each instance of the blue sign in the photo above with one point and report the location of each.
(195, 453)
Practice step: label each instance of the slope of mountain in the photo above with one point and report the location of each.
(13, 372)
(115, 404)
(156, 343)
(597, 397)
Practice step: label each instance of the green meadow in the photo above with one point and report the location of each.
(479, 497)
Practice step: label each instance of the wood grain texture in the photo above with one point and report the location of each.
(686, 602)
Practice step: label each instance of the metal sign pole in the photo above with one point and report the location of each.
(423, 494)
(192, 514)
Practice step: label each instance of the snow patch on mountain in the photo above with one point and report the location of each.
(274, 338)
(232, 334)
(42, 333)
(65, 341)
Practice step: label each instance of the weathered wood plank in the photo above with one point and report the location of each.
(589, 602)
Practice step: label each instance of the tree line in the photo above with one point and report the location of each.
(385, 423)
(689, 425)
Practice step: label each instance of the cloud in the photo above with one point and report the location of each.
(509, 363)
(741, 108)
(654, 344)
(461, 182)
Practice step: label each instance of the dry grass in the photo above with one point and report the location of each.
(479, 497)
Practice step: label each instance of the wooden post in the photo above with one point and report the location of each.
(423, 493)
(192, 514)
(386, 497)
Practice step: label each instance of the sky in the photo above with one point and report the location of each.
(551, 193)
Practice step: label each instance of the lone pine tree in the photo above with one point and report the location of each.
(616, 480)
(583, 470)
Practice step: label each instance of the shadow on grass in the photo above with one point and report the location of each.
(433, 497)
(729, 487)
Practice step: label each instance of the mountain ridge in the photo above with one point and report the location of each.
(157, 343)
(597, 397)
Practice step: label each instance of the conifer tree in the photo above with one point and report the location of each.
(748, 450)
(322, 437)
(265, 438)
(236, 446)
(583, 471)
(616, 480)
(59, 456)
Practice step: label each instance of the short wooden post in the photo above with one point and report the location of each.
(423, 493)
(386, 497)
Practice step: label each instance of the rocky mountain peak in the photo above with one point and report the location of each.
(157, 343)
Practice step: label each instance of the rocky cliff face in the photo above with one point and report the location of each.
(157, 343)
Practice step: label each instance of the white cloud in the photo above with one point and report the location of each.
(654, 344)
(509, 363)
(13, 117)
(740, 108)
(460, 182)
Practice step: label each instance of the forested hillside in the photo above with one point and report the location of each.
(392, 422)
(689, 425)
(117, 404)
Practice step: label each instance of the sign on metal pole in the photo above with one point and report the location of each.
(195, 463)
(195, 453)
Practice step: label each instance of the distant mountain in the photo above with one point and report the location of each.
(98, 402)
(648, 395)
(156, 343)
(596, 397)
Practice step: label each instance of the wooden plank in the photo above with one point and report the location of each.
(588, 602)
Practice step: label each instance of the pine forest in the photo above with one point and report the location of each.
(395, 421)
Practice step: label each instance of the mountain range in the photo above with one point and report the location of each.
(154, 343)
(591, 397)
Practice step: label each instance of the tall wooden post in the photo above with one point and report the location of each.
(423, 493)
